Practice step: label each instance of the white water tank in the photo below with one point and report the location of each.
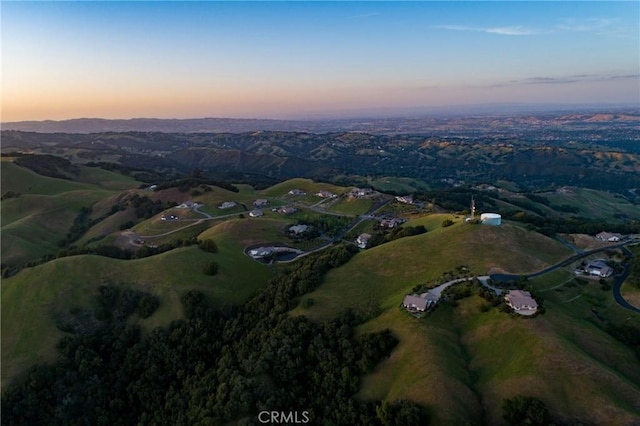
(491, 219)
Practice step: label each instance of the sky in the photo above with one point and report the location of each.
(305, 59)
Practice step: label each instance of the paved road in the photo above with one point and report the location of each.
(618, 279)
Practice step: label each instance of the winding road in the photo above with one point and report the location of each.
(618, 279)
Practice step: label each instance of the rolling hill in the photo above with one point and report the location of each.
(462, 361)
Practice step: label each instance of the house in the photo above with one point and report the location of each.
(325, 194)
(260, 203)
(363, 240)
(407, 199)
(608, 236)
(297, 192)
(255, 213)
(599, 269)
(187, 205)
(361, 192)
(227, 205)
(520, 300)
(287, 210)
(413, 302)
(391, 223)
(299, 229)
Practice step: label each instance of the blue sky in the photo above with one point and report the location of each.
(296, 59)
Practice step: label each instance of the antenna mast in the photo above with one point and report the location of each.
(473, 208)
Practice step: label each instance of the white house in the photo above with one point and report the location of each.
(227, 205)
(297, 192)
(287, 210)
(325, 194)
(609, 237)
(407, 199)
(599, 269)
(363, 240)
(255, 213)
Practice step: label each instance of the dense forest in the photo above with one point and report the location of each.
(213, 367)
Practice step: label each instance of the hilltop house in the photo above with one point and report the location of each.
(599, 269)
(255, 213)
(287, 210)
(227, 205)
(260, 203)
(325, 194)
(363, 240)
(391, 223)
(407, 199)
(521, 302)
(609, 237)
(297, 192)
(361, 192)
(413, 302)
(298, 229)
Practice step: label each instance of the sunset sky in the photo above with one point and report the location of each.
(311, 59)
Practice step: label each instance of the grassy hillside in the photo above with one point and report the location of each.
(42, 214)
(379, 277)
(595, 204)
(462, 362)
(307, 185)
(31, 298)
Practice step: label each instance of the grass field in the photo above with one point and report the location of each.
(398, 184)
(31, 298)
(34, 222)
(596, 204)
(461, 362)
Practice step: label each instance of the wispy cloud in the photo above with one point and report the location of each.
(570, 79)
(509, 30)
(582, 25)
(602, 26)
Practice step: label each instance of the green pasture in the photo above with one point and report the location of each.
(32, 298)
(595, 204)
(448, 358)
(351, 206)
(397, 184)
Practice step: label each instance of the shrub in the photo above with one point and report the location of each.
(208, 246)
(148, 305)
(210, 268)
(525, 410)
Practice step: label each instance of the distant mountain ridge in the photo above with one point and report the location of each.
(405, 125)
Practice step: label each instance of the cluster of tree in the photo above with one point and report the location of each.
(194, 181)
(627, 334)
(574, 225)
(216, 366)
(49, 165)
(525, 411)
(145, 207)
(327, 224)
(210, 268)
(634, 269)
(81, 223)
(208, 245)
(394, 234)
